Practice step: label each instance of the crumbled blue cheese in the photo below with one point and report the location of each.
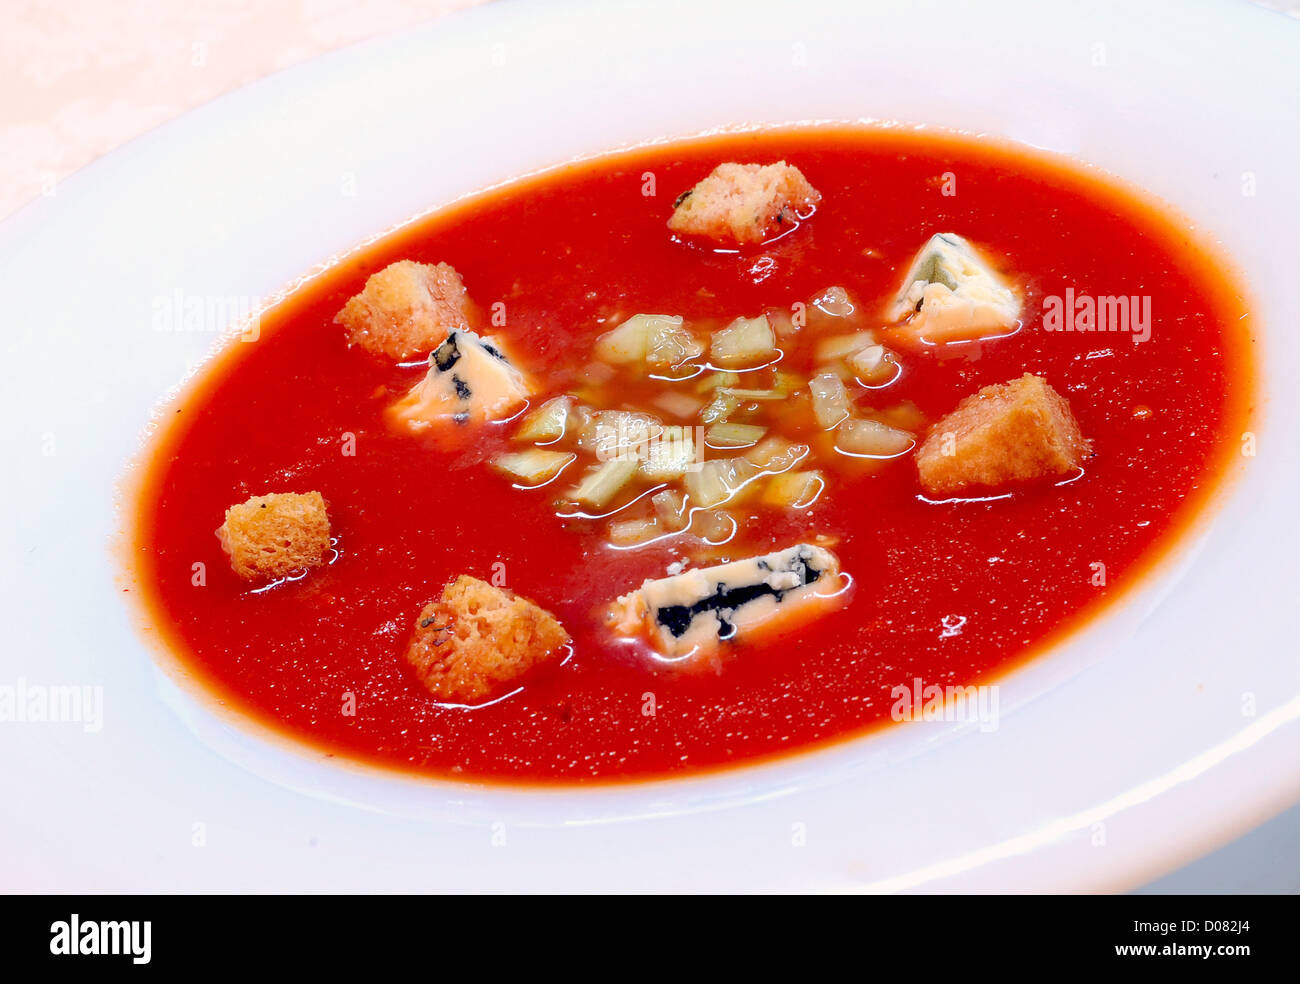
(696, 610)
(469, 379)
(950, 293)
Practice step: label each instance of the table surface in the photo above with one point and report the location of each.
(81, 77)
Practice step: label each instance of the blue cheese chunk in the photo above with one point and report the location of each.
(695, 611)
(470, 379)
(950, 293)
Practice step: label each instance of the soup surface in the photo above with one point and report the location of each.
(944, 592)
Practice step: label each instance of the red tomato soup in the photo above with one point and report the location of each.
(944, 589)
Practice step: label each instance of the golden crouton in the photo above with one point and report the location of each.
(1006, 432)
(745, 203)
(477, 637)
(270, 536)
(406, 309)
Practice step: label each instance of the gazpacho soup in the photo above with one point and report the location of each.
(692, 455)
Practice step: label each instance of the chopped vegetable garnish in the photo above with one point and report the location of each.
(833, 302)
(670, 455)
(715, 379)
(602, 483)
(843, 346)
(670, 508)
(719, 480)
(872, 439)
(745, 343)
(734, 435)
(683, 406)
(534, 466)
(796, 489)
(655, 339)
(632, 532)
(830, 399)
(776, 454)
(547, 423)
(873, 366)
(724, 404)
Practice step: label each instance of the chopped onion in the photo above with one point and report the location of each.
(796, 489)
(834, 302)
(671, 345)
(782, 322)
(619, 433)
(776, 454)
(722, 407)
(630, 341)
(683, 406)
(872, 439)
(754, 394)
(534, 466)
(746, 342)
(547, 423)
(733, 435)
(843, 346)
(670, 508)
(603, 482)
(713, 525)
(670, 455)
(874, 366)
(830, 399)
(718, 480)
(716, 379)
(632, 532)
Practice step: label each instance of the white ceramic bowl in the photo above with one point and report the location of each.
(1120, 754)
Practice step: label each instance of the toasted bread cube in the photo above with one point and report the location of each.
(476, 639)
(1006, 432)
(745, 203)
(272, 536)
(406, 309)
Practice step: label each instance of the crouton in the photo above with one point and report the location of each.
(1006, 432)
(271, 536)
(745, 203)
(477, 638)
(406, 309)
